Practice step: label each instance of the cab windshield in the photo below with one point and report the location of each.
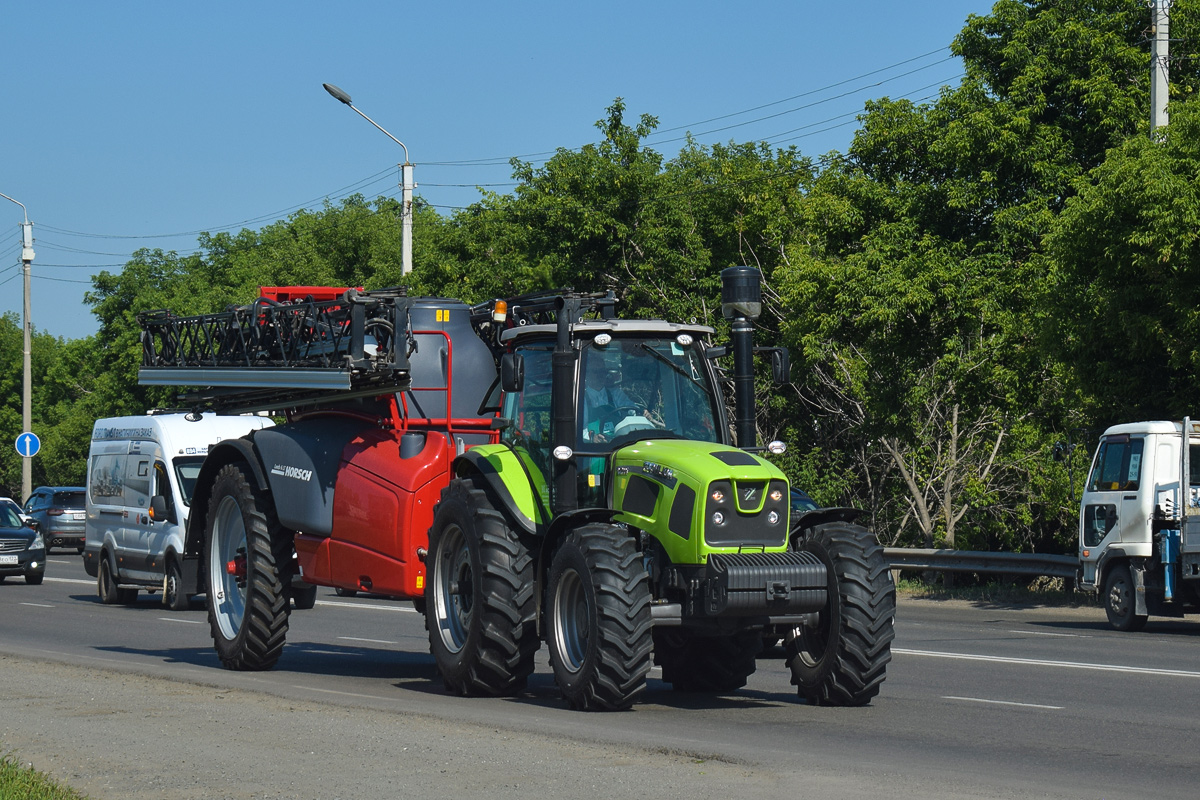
(637, 388)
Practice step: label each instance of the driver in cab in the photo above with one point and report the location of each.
(604, 401)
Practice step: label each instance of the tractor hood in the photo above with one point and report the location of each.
(701, 498)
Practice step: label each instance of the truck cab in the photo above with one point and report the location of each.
(1139, 533)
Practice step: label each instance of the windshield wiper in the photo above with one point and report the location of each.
(673, 366)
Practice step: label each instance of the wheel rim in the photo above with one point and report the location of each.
(1118, 597)
(571, 620)
(228, 544)
(454, 592)
(172, 590)
(812, 641)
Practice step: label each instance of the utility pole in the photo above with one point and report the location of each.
(1159, 64)
(406, 183)
(26, 389)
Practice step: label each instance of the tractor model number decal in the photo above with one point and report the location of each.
(658, 470)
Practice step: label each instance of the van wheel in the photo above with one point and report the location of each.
(304, 597)
(173, 596)
(106, 587)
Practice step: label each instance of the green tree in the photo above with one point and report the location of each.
(1123, 300)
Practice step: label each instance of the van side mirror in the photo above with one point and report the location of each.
(158, 507)
(512, 372)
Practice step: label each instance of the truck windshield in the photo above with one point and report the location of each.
(635, 388)
(1118, 465)
(187, 469)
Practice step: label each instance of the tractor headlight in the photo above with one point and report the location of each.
(718, 518)
(773, 518)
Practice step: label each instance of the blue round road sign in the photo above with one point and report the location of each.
(28, 444)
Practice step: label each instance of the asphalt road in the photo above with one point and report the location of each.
(979, 702)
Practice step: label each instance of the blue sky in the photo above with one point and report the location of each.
(138, 124)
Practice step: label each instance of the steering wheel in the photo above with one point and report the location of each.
(615, 414)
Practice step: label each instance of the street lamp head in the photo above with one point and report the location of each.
(337, 93)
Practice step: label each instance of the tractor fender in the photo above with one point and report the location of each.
(508, 482)
(820, 516)
(225, 452)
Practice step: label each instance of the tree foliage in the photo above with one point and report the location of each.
(973, 279)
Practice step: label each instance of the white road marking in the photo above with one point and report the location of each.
(71, 580)
(1047, 633)
(189, 621)
(360, 639)
(38, 605)
(1001, 702)
(334, 691)
(1037, 662)
(408, 609)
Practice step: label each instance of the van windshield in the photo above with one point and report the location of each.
(187, 469)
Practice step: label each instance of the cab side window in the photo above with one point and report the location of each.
(1118, 465)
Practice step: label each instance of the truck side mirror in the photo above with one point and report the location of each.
(158, 507)
(781, 366)
(512, 372)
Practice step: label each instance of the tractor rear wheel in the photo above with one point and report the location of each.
(480, 599)
(841, 660)
(711, 664)
(244, 545)
(598, 618)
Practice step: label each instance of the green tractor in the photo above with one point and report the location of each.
(617, 521)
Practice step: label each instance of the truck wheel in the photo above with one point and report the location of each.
(1119, 600)
(173, 596)
(842, 659)
(598, 619)
(247, 605)
(710, 664)
(480, 596)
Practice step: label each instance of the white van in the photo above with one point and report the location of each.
(140, 476)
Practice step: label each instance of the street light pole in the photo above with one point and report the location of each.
(406, 183)
(26, 389)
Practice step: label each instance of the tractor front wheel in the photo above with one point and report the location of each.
(598, 618)
(480, 599)
(842, 658)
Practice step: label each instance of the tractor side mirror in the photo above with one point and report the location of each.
(512, 372)
(781, 365)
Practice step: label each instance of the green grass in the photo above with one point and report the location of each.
(25, 783)
(1038, 592)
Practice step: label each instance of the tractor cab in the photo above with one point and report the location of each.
(631, 381)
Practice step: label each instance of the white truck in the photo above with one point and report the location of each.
(1139, 522)
(140, 475)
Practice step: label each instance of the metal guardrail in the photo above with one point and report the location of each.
(1028, 564)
